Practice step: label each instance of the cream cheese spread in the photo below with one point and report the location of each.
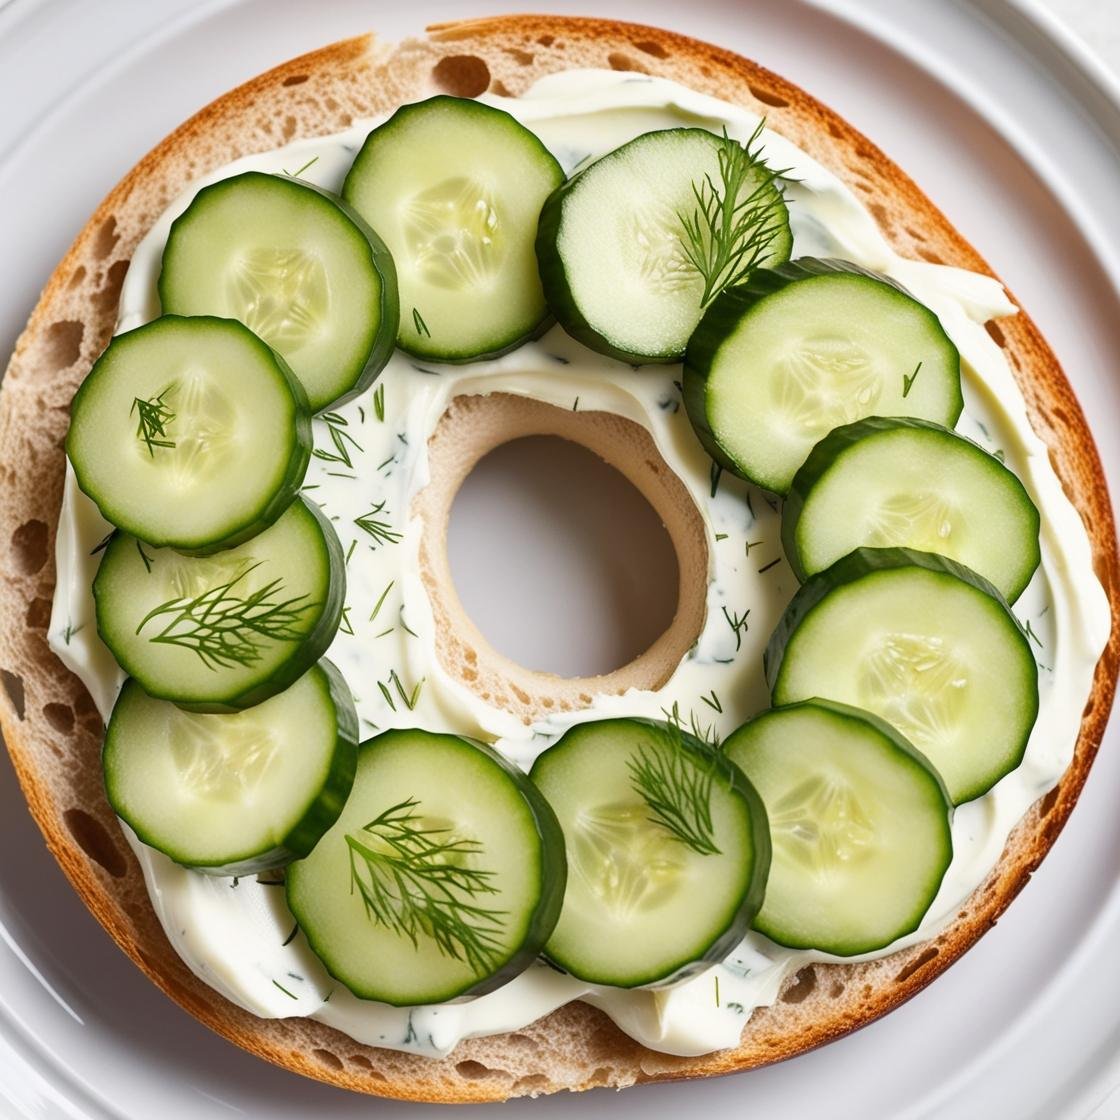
(239, 937)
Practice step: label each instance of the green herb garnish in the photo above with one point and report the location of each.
(732, 227)
(379, 529)
(155, 416)
(415, 880)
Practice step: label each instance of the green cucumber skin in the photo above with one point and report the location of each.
(905, 747)
(263, 517)
(866, 561)
(401, 116)
(723, 316)
(304, 654)
(321, 813)
(833, 446)
(554, 278)
(751, 901)
(385, 338)
(553, 874)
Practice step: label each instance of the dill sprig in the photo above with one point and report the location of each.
(677, 789)
(378, 528)
(154, 417)
(739, 624)
(379, 402)
(342, 440)
(226, 628)
(734, 223)
(415, 881)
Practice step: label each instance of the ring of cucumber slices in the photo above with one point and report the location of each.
(422, 866)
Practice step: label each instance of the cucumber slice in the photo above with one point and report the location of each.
(455, 189)
(890, 481)
(667, 851)
(223, 632)
(442, 878)
(190, 433)
(804, 347)
(923, 643)
(298, 268)
(234, 794)
(612, 246)
(859, 823)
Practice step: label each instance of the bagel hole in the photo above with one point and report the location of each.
(559, 560)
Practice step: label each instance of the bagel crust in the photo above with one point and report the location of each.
(52, 728)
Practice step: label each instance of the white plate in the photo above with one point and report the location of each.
(1015, 134)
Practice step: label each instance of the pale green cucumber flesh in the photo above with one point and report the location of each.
(923, 643)
(298, 268)
(238, 793)
(779, 362)
(643, 905)
(223, 632)
(459, 793)
(893, 482)
(190, 433)
(610, 245)
(859, 827)
(455, 188)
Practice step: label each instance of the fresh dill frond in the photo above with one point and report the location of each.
(226, 628)
(417, 880)
(341, 439)
(419, 324)
(676, 787)
(154, 417)
(377, 527)
(381, 600)
(733, 225)
(379, 402)
(739, 625)
(908, 380)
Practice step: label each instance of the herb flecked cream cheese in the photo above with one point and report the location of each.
(370, 461)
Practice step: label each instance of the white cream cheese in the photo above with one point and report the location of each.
(238, 935)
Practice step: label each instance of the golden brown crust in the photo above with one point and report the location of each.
(52, 729)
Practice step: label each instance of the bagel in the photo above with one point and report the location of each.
(53, 730)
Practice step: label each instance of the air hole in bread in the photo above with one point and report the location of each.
(916, 234)
(835, 130)
(13, 686)
(332, 1061)
(767, 97)
(29, 546)
(295, 79)
(522, 1040)
(110, 292)
(77, 276)
(64, 342)
(105, 239)
(997, 335)
(599, 1078)
(920, 961)
(837, 990)
(59, 716)
(93, 838)
(547, 40)
(881, 214)
(803, 986)
(531, 1083)
(461, 75)
(476, 1071)
(619, 61)
(289, 129)
(500, 88)
(522, 58)
(651, 46)
(38, 614)
(931, 256)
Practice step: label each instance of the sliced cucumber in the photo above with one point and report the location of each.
(891, 481)
(667, 851)
(296, 266)
(612, 240)
(442, 878)
(234, 794)
(190, 433)
(224, 632)
(455, 189)
(799, 349)
(859, 823)
(925, 644)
